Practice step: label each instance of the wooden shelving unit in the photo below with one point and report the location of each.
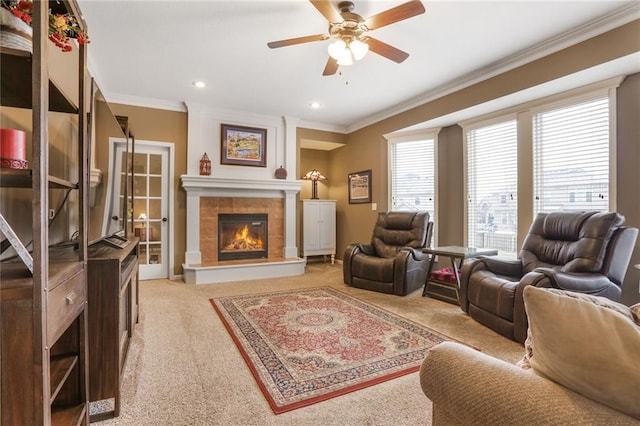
(114, 300)
(44, 351)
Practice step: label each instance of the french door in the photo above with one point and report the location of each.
(151, 204)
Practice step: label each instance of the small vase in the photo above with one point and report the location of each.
(281, 173)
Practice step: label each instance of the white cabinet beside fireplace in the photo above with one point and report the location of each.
(319, 228)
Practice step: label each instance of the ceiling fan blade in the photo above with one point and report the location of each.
(395, 14)
(297, 40)
(331, 67)
(327, 10)
(386, 50)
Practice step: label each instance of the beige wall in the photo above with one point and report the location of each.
(165, 126)
(450, 195)
(628, 172)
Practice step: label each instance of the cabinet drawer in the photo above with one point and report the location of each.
(65, 302)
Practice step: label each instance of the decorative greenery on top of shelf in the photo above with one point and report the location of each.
(62, 27)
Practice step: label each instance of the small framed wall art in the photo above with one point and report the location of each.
(359, 187)
(243, 146)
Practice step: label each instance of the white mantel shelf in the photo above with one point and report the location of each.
(209, 186)
(215, 186)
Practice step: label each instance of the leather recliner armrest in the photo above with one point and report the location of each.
(503, 266)
(367, 249)
(581, 282)
(416, 254)
(349, 253)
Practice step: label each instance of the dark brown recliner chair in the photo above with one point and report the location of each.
(585, 252)
(393, 263)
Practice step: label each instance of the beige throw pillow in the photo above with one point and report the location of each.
(588, 344)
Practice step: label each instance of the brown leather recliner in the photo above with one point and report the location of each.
(585, 252)
(393, 263)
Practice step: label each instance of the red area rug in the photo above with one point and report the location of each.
(306, 346)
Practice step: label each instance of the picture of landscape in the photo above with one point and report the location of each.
(243, 146)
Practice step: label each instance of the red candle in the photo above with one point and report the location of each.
(13, 147)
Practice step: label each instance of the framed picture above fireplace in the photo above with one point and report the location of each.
(243, 146)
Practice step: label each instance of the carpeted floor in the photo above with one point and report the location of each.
(183, 368)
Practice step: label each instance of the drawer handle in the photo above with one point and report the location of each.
(71, 298)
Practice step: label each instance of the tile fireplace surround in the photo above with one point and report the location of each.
(207, 196)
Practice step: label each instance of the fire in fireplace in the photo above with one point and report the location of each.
(242, 236)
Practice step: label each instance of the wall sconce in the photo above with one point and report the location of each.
(314, 176)
(205, 165)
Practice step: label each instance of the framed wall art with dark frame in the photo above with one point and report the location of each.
(359, 187)
(243, 146)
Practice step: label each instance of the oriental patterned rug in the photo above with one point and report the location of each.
(306, 346)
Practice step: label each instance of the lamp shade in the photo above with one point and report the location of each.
(314, 176)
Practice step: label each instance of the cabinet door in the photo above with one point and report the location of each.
(327, 225)
(311, 229)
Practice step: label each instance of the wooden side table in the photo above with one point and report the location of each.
(456, 254)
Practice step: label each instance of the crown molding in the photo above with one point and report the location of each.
(617, 18)
(323, 126)
(117, 98)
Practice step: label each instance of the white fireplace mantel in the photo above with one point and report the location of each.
(208, 186)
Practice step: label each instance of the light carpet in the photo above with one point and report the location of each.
(304, 346)
(184, 369)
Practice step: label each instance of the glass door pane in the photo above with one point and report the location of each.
(150, 210)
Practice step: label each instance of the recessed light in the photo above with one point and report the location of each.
(314, 105)
(199, 84)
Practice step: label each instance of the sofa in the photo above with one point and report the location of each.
(579, 367)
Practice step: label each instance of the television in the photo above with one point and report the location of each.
(107, 212)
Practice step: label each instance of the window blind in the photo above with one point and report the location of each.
(492, 184)
(571, 157)
(413, 176)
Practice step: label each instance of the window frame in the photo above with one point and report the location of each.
(477, 124)
(608, 92)
(414, 136)
(524, 113)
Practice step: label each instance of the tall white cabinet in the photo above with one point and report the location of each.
(319, 228)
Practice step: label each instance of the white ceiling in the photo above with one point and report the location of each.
(149, 52)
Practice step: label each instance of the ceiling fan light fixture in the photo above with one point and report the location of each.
(337, 49)
(359, 49)
(346, 58)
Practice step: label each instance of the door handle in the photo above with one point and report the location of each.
(115, 217)
(164, 219)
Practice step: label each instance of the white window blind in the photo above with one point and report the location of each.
(492, 184)
(413, 176)
(571, 157)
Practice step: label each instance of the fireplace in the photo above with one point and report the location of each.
(210, 196)
(242, 236)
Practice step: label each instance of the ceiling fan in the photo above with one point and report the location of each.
(350, 32)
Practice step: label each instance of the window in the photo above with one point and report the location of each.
(492, 184)
(412, 175)
(571, 156)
